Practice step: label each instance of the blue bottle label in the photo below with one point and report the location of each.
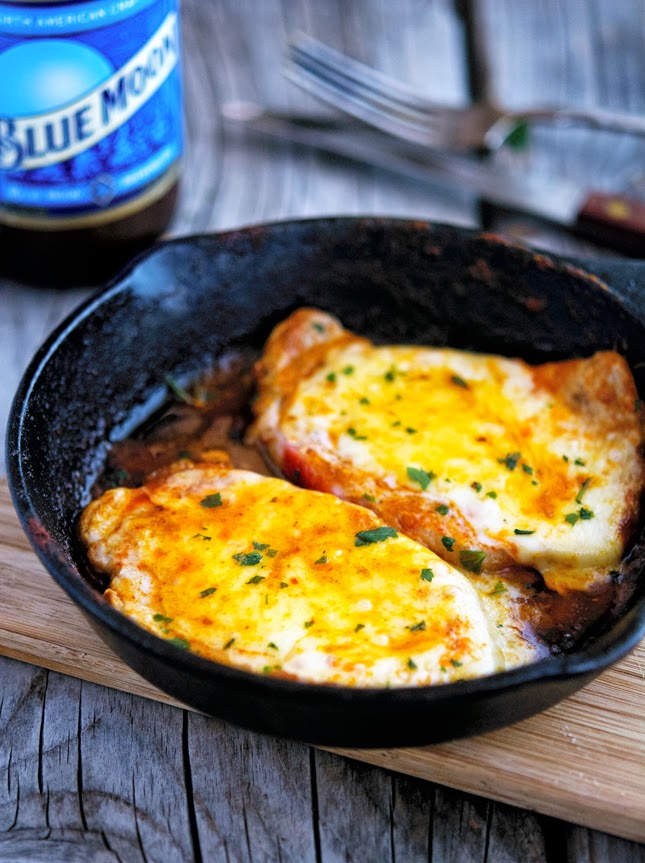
(90, 103)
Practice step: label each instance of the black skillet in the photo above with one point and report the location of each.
(185, 303)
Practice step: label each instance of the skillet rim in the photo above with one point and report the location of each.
(588, 661)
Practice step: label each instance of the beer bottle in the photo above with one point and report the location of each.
(91, 133)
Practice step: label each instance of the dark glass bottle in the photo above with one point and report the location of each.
(91, 135)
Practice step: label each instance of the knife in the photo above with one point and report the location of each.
(611, 219)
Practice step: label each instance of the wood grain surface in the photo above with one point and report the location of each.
(90, 773)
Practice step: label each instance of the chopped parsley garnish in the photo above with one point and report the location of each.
(410, 430)
(527, 468)
(571, 518)
(456, 663)
(396, 424)
(585, 514)
(519, 532)
(565, 458)
(272, 645)
(180, 642)
(427, 575)
(272, 552)
(322, 559)
(459, 382)
(418, 627)
(251, 558)
(309, 623)
(510, 460)
(283, 584)
(492, 494)
(260, 546)
(359, 626)
(583, 488)
(500, 587)
(228, 644)
(472, 559)
(421, 476)
(211, 500)
(369, 498)
(348, 370)
(318, 327)
(411, 664)
(377, 534)
(448, 542)
(364, 401)
(353, 433)
(256, 579)
(161, 618)
(579, 462)
(390, 374)
(442, 509)
(331, 377)
(477, 486)
(203, 536)
(268, 669)
(208, 592)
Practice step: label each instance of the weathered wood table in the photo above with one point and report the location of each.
(92, 774)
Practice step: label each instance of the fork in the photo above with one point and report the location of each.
(389, 105)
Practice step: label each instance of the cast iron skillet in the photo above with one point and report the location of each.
(183, 304)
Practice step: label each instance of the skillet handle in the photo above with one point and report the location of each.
(615, 221)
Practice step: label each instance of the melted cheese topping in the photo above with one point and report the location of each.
(250, 571)
(537, 466)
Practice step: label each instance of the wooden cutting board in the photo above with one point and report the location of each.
(582, 761)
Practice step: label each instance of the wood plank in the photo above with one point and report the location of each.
(581, 760)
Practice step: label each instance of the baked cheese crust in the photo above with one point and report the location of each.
(489, 461)
(254, 572)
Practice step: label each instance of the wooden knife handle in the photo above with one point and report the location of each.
(615, 221)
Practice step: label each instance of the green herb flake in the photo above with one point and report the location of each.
(348, 370)
(180, 642)
(427, 575)
(571, 518)
(161, 618)
(442, 509)
(390, 374)
(443, 668)
(359, 626)
(583, 488)
(519, 532)
(565, 458)
(492, 494)
(260, 546)
(256, 579)
(459, 382)
(477, 486)
(377, 534)
(322, 559)
(318, 327)
(418, 627)
(203, 536)
(500, 587)
(309, 623)
(208, 592)
(251, 558)
(448, 542)
(456, 663)
(412, 664)
(410, 430)
(272, 552)
(369, 498)
(396, 424)
(527, 468)
(585, 514)
(331, 377)
(579, 462)
(181, 393)
(229, 643)
(421, 476)
(283, 584)
(211, 500)
(364, 401)
(272, 645)
(510, 460)
(472, 560)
